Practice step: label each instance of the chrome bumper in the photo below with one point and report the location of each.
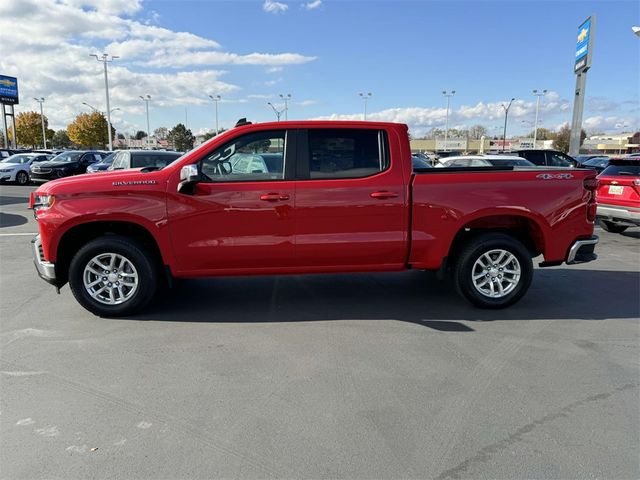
(46, 270)
(625, 215)
(582, 251)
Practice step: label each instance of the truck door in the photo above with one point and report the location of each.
(350, 200)
(240, 217)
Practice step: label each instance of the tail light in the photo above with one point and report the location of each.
(591, 185)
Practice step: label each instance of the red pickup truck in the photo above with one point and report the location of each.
(308, 197)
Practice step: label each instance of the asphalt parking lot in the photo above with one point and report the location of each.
(355, 376)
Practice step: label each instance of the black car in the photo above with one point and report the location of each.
(597, 163)
(64, 165)
(103, 164)
(547, 158)
(143, 158)
(581, 159)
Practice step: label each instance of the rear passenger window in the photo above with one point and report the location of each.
(557, 160)
(536, 158)
(346, 153)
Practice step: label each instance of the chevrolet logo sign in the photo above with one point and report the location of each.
(582, 35)
(7, 83)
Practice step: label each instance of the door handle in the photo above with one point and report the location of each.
(383, 195)
(274, 197)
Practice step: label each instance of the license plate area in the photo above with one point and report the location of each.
(616, 189)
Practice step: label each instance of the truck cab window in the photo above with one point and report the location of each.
(253, 157)
(346, 153)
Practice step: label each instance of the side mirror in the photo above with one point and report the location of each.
(189, 176)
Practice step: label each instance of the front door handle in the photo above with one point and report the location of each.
(384, 194)
(274, 197)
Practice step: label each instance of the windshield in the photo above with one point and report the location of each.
(632, 169)
(68, 157)
(18, 158)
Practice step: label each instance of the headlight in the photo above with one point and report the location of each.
(6, 170)
(41, 201)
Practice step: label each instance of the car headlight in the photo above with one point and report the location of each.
(41, 201)
(6, 170)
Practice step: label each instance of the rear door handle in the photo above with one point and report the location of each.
(274, 197)
(383, 195)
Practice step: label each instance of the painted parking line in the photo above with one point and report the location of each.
(17, 234)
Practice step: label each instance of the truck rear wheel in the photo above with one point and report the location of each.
(493, 270)
(112, 276)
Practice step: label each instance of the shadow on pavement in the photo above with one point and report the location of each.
(631, 234)
(11, 220)
(415, 297)
(8, 200)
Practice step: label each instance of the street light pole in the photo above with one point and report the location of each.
(216, 99)
(44, 134)
(621, 127)
(146, 99)
(535, 127)
(104, 58)
(366, 98)
(506, 114)
(275, 110)
(286, 99)
(446, 125)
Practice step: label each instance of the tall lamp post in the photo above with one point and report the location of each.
(506, 114)
(621, 127)
(146, 99)
(365, 97)
(44, 134)
(216, 99)
(446, 125)
(104, 58)
(538, 94)
(286, 99)
(276, 111)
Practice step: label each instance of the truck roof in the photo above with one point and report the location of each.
(325, 123)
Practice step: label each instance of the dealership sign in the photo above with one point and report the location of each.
(451, 144)
(8, 90)
(584, 46)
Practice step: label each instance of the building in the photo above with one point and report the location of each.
(485, 144)
(612, 144)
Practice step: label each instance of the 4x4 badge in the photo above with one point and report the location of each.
(557, 176)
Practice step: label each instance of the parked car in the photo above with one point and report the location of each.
(597, 163)
(547, 158)
(142, 158)
(418, 161)
(341, 197)
(103, 164)
(64, 165)
(485, 161)
(581, 159)
(16, 167)
(618, 195)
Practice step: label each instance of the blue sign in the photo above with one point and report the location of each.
(583, 45)
(8, 90)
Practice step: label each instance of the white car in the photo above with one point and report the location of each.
(16, 167)
(484, 161)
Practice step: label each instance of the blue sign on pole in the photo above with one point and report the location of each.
(8, 90)
(583, 46)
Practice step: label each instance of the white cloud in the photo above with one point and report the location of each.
(610, 123)
(274, 69)
(306, 103)
(50, 56)
(312, 5)
(271, 6)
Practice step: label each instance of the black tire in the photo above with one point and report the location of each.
(613, 227)
(22, 178)
(473, 250)
(147, 271)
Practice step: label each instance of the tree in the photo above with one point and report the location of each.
(140, 135)
(477, 131)
(161, 133)
(121, 136)
(563, 138)
(29, 127)
(544, 134)
(90, 130)
(60, 139)
(181, 138)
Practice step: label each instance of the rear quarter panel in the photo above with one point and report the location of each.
(445, 203)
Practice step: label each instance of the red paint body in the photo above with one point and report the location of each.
(393, 220)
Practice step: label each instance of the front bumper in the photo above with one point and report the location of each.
(629, 216)
(46, 270)
(582, 251)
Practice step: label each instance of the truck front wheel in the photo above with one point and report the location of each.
(493, 270)
(112, 276)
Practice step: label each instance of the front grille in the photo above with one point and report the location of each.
(41, 170)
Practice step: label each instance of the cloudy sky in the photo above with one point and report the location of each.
(323, 53)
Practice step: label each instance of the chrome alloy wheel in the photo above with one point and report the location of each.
(110, 278)
(496, 273)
